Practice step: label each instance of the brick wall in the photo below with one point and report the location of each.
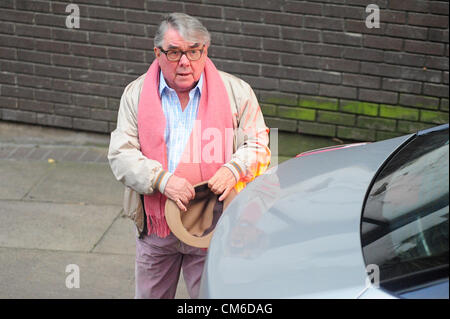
(314, 65)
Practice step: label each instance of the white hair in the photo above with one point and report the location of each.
(190, 28)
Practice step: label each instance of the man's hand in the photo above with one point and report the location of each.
(180, 191)
(222, 182)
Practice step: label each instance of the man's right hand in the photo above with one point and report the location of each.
(180, 191)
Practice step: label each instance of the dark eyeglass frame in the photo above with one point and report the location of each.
(182, 53)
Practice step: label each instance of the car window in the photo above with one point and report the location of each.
(404, 226)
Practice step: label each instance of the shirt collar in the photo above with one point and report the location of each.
(163, 85)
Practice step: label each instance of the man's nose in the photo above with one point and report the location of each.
(184, 61)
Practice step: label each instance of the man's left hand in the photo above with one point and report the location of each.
(222, 182)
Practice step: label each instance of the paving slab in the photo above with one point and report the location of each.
(68, 227)
(19, 133)
(119, 239)
(18, 177)
(95, 155)
(6, 150)
(29, 273)
(90, 183)
(58, 153)
(20, 152)
(39, 153)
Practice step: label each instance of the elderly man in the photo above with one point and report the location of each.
(181, 123)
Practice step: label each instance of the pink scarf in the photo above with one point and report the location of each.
(214, 113)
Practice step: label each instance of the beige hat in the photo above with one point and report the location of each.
(195, 227)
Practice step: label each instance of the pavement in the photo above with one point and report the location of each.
(60, 205)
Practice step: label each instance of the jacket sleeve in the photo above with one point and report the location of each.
(252, 155)
(127, 162)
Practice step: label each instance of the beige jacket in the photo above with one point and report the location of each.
(139, 173)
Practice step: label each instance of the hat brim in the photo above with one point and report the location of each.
(173, 219)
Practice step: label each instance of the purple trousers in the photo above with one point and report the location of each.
(158, 265)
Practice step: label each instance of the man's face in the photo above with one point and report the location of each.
(183, 74)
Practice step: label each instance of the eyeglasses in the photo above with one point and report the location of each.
(175, 55)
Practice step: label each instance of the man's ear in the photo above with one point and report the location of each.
(157, 52)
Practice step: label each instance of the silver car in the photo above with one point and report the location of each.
(367, 220)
